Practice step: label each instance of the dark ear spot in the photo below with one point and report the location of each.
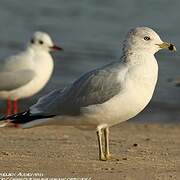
(41, 42)
(32, 41)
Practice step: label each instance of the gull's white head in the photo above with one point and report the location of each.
(42, 41)
(145, 39)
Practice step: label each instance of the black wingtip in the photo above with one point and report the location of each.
(24, 117)
(15, 116)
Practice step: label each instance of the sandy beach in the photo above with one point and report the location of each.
(141, 151)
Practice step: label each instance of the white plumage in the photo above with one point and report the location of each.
(106, 96)
(26, 73)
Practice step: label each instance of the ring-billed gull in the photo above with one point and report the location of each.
(26, 73)
(105, 96)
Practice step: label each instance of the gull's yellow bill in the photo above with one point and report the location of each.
(166, 45)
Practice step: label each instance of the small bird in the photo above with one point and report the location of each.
(105, 96)
(26, 73)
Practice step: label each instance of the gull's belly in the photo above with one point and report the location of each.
(43, 71)
(128, 106)
(121, 107)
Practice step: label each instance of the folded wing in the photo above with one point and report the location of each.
(12, 80)
(95, 87)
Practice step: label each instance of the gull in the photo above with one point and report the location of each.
(26, 73)
(105, 96)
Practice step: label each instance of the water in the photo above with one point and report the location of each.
(91, 32)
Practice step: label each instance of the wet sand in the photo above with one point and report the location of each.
(141, 151)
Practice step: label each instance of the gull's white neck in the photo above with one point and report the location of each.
(143, 65)
(138, 57)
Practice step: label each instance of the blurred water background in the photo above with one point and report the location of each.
(91, 33)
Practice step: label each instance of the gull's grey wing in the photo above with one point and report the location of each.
(45, 101)
(95, 87)
(13, 80)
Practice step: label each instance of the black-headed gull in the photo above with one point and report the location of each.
(106, 96)
(26, 73)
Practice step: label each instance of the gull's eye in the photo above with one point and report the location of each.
(32, 41)
(146, 38)
(41, 42)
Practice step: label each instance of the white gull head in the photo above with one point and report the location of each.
(144, 39)
(42, 41)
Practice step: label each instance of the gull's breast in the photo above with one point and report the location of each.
(137, 90)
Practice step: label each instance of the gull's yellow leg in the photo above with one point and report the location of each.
(99, 137)
(106, 136)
